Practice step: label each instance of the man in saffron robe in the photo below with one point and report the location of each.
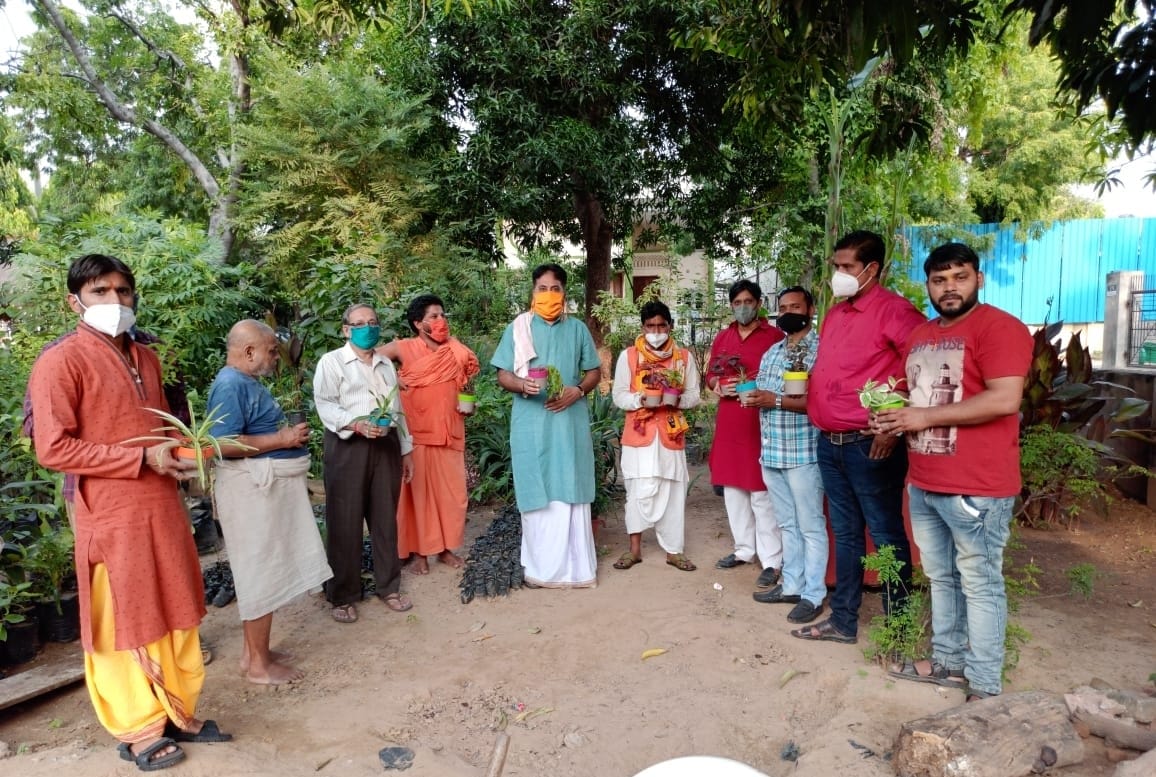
(141, 593)
(431, 515)
(550, 444)
(654, 439)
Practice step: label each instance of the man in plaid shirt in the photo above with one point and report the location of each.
(790, 463)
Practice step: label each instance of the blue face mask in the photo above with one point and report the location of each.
(364, 337)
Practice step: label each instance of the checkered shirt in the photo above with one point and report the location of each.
(788, 439)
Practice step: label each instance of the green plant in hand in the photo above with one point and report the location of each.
(197, 435)
(875, 396)
(553, 383)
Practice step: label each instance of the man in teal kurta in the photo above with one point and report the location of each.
(550, 441)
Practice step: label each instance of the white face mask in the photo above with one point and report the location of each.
(110, 318)
(656, 339)
(845, 284)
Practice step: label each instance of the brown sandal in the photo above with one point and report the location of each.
(397, 602)
(679, 561)
(626, 561)
(344, 613)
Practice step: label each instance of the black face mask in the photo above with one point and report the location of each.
(792, 322)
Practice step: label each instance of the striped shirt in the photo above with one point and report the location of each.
(346, 389)
(788, 438)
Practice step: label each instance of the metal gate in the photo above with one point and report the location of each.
(1142, 333)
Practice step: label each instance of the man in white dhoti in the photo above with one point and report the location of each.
(654, 437)
(261, 500)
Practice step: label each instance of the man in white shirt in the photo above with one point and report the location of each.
(365, 460)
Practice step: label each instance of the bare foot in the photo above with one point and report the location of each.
(275, 674)
(275, 656)
(450, 560)
(420, 565)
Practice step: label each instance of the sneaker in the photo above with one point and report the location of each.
(768, 578)
(775, 596)
(729, 561)
(805, 612)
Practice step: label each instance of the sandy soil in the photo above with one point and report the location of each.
(561, 672)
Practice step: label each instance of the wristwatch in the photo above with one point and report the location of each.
(778, 401)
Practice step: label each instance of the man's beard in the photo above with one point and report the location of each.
(967, 304)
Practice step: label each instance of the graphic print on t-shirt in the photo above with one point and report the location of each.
(935, 377)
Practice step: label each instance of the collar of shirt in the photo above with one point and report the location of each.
(348, 355)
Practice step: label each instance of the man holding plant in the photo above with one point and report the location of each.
(789, 460)
(550, 444)
(861, 339)
(366, 462)
(734, 453)
(966, 372)
(262, 499)
(654, 439)
(141, 592)
(431, 516)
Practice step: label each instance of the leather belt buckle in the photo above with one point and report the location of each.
(843, 438)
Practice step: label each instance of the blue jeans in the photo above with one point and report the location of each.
(863, 494)
(797, 500)
(961, 541)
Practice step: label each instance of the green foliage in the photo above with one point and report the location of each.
(605, 432)
(15, 599)
(1082, 579)
(489, 467)
(902, 634)
(50, 560)
(1060, 470)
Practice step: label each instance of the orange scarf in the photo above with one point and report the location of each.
(676, 425)
(451, 361)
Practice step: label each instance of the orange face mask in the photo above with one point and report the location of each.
(548, 304)
(439, 330)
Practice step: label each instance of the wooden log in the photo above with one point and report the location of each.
(1004, 736)
(1118, 731)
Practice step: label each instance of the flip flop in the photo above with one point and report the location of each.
(144, 759)
(823, 632)
(344, 613)
(397, 602)
(928, 671)
(626, 561)
(210, 732)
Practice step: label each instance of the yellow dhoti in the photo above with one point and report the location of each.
(135, 692)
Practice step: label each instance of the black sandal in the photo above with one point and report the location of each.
(145, 761)
(823, 632)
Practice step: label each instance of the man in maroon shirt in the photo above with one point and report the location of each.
(734, 455)
(862, 338)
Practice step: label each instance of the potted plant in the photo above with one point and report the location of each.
(795, 379)
(18, 625)
(384, 414)
(730, 366)
(539, 375)
(197, 442)
(554, 385)
(467, 400)
(51, 563)
(674, 382)
(875, 396)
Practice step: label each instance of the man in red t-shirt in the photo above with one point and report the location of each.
(965, 372)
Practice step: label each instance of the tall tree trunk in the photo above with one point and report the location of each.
(597, 239)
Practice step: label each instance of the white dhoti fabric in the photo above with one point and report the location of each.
(274, 547)
(558, 546)
(656, 480)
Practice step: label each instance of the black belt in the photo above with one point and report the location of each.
(844, 438)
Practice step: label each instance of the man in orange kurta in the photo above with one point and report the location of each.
(431, 515)
(141, 592)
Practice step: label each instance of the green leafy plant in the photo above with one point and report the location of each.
(50, 560)
(1082, 579)
(874, 396)
(197, 436)
(15, 600)
(554, 385)
(901, 634)
(384, 410)
(674, 379)
(605, 432)
(489, 468)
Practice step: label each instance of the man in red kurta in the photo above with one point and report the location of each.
(141, 593)
(734, 455)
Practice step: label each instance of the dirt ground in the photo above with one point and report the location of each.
(561, 671)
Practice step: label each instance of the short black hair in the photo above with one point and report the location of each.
(950, 255)
(92, 266)
(807, 296)
(655, 308)
(738, 287)
(549, 267)
(867, 245)
(418, 306)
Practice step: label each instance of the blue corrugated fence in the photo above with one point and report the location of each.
(1067, 265)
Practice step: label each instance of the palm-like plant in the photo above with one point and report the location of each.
(195, 436)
